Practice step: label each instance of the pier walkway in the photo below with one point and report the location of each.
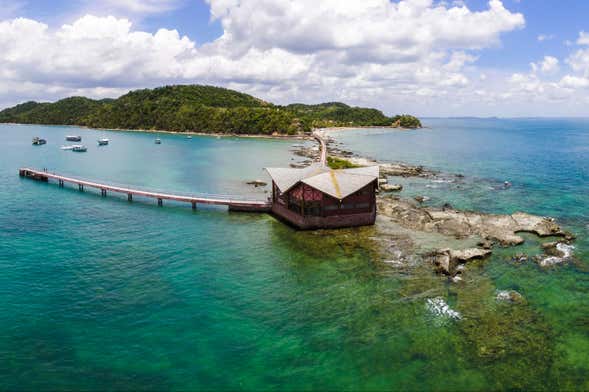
(322, 147)
(234, 203)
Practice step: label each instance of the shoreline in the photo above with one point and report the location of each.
(187, 133)
(220, 134)
(348, 128)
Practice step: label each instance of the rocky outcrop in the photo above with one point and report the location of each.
(421, 199)
(447, 261)
(391, 187)
(555, 253)
(462, 224)
(257, 183)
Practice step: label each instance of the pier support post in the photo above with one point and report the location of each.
(160, 202)
(103, 192)
(130, 197)
(194, 206)
(61, 183)
(81, 187)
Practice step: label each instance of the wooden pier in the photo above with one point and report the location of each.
(234, 203)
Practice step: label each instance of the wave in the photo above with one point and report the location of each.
(438, 307)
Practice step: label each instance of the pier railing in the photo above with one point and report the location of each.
(234, 202)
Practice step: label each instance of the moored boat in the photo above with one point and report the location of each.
(158, 141)
(79, 148)
(71, 138)
(38, 141)
(103, 141)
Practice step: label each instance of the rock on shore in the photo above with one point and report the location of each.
(391, 187)
(447, 261)
(482, 229)
(461, 224)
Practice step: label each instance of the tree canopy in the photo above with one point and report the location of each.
(198, 108)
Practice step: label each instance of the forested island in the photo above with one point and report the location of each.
(198, 108)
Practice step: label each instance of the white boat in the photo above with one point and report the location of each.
(67, 147)
(158, 141)
(71, 138)
(79, 148)
(103, 141)
(188, 137)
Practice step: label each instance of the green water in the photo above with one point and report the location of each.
(97, 293)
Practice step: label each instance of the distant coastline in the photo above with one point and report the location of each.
(305, 136)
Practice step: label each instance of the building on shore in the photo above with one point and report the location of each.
(317, 197)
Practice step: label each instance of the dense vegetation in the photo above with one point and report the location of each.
(198, 108)
(406, 121)
(339, 163)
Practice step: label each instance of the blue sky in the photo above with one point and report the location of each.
(473, 57)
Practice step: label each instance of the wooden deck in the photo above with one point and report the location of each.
(234, 203)
(323, 148)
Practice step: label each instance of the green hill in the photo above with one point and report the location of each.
(339, 114)
(195, 108)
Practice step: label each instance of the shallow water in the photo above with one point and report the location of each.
(101, 294)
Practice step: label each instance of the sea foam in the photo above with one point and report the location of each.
(438, 307)
(567, 253)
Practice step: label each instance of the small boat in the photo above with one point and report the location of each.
(103, 142)
(158, 141)
(188, 137)
(38, 141)
(71, 138)
(79, 148)
(67, 147)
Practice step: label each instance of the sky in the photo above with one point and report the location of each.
(506, 58)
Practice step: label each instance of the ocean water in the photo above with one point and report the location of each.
(101, 294)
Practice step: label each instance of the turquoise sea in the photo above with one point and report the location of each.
(101, 294)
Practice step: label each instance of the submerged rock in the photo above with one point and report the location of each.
(510, 296)
(395, 263)
(520, 258)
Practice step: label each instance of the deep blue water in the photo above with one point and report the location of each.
(98, 293)
(546, 161)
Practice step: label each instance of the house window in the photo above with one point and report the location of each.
(312, 208)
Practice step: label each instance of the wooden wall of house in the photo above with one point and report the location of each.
(308, 201)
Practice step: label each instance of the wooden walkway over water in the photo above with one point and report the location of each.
(234, 203)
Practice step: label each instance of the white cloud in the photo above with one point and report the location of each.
(396, 55)
(583, 38)
(579, 61)
(137, 7)
(548, 65)
(379, 27)
(545, 37)
(574, 81)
